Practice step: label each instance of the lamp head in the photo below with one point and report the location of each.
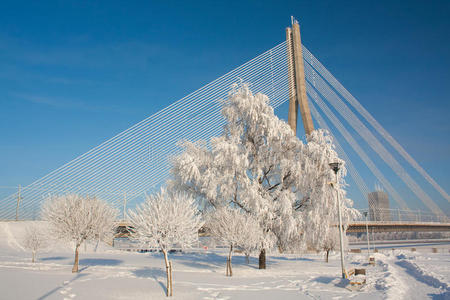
(335, 166)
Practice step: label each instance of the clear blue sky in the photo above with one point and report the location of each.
(73, 74)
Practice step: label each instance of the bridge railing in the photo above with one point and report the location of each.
(400, 215)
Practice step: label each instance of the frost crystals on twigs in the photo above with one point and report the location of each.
(258, 167)
(167, 221)
(78, 219)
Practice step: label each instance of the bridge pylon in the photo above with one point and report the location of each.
(297, 85)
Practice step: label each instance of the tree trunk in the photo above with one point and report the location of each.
(171, 285)
(229, 269)
(328, 252)
(34, 257)
(280, 248)
(75, 264)
(166, 261)
(262, 259)
(247, 258)
(96, 245)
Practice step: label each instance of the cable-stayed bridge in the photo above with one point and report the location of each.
(137, 161)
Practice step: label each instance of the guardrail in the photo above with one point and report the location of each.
(385, 215)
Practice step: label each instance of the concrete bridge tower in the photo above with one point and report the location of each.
(297, 86)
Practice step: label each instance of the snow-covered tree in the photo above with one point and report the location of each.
(319, 205)
(252, 238)
(330, 242)
(34, 240)
(167, 220)
(78, 219)
(260, 167)
(234, 228)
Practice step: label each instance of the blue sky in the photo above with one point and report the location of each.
(73, 74)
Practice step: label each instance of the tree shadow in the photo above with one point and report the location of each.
(153, 273)
(79, 275)
(271, 261)
(324, 279)
(197, 260)
(100, 262)
(210, 260)
(83, 268)
(241, 261)
(293, 258)
(54, 258)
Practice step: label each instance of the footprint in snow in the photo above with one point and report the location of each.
(66, 289)
(70, 297)
(216, 296)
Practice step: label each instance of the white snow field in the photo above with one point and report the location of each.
(200, 274)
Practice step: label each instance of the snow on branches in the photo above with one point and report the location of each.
(260, 167)
(330, 241)
(166, 221)
(319, 203)
(34, 239)
(78, 218)
(234, 228)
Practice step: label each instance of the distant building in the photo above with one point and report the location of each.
(379, 206)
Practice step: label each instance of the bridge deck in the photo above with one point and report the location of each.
(386, 226)
(395, 226)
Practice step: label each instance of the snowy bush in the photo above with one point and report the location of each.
(258, 166)
(234, 228)
(78, 219)
(167, 220)
(34, 240)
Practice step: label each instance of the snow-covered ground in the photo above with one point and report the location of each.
(200, 274)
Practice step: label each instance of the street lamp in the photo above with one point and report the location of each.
(335, 166)
(367, 233)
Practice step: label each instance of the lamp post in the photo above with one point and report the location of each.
(335, 167)
(367, 233)
(124, 205)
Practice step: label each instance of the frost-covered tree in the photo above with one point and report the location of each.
(252, 237)
(260, 167)
(78, 219)
(330, 242)
(234, 228)
(319, 205)
(34, 240)
(167, 220)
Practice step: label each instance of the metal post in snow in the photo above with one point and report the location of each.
(124, 205)
(335, 167)
(373, 241)
(18, 202)
(367, 234)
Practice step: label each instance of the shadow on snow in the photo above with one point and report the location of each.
(54, 258)
(155, 273)
(100, 262)
(79, 275)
